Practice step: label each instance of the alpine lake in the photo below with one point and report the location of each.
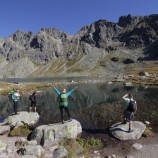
(97, 105)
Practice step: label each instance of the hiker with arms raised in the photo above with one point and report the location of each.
(63, 101)
(131, 108)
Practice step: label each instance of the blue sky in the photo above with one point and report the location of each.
(66, 15)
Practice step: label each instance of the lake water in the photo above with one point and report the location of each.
(95, 105)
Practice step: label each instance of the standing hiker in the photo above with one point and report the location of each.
(33, 100)
(63, 101)
(131, 108)
(15, 98)
(10, 94)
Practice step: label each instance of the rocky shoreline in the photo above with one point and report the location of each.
(65, 140)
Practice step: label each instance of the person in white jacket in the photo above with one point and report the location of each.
(15, 98)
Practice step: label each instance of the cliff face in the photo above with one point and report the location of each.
(90, 46)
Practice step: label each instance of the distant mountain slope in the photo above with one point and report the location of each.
(89, 52)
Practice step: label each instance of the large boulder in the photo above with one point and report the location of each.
(4, 129)
(53, 133)
(23, 116)
(120, 130)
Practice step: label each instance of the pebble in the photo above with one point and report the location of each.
(137, 146)
(147, 122)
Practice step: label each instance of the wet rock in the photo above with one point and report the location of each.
(120, 130)
(56, 132)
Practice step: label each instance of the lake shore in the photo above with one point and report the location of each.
(121, 149)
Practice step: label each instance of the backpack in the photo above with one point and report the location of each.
(10, 95)
(30, 98)
(132, 106)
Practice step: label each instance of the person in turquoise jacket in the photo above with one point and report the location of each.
(63, 101)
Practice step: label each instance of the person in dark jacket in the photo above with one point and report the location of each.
(33, 100)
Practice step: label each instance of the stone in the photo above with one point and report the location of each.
(147, 122)
(129, 157)
(33, 142)
(3, 146)
(115, 59)
(128, 84)
(137, 146)
(4, 129)
(142, 73)
(128, 61)
(60, 152)
(120, 130)
(37, 150)
(29, 156)
(29, 118)
(55, 133)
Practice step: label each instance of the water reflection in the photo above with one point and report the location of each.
(94, 105)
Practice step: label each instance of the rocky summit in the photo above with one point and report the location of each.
(91, 51)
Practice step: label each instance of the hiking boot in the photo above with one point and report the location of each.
(130, 130)
(70, 119)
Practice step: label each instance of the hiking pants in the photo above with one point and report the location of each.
(15, 106)
(61, 112)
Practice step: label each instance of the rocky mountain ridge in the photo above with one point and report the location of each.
(93, 46)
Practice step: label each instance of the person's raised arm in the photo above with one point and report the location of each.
(56, 90)
(71, 91)
(124, 97)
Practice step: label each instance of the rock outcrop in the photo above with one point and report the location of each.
(54, 133)
(120, 130)
(23, 116)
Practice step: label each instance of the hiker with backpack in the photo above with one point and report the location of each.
(131, 108)
(10, 94)
(15, 98)
(63, 101)
(33, 100)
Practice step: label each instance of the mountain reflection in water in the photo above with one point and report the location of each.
(95, 105)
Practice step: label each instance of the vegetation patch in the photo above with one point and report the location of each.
(91, 142)
(21, 131)
(148, 132)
